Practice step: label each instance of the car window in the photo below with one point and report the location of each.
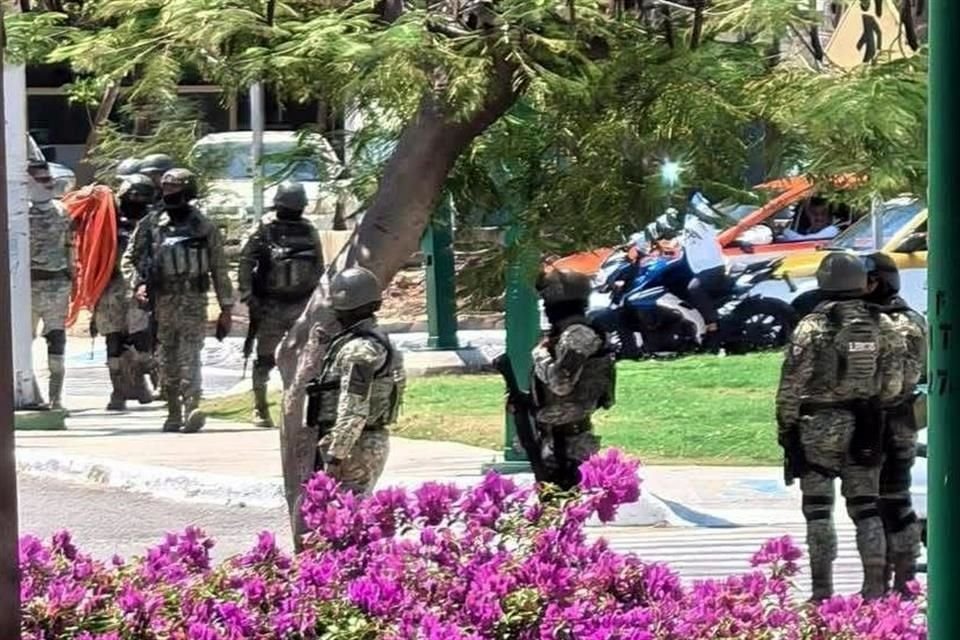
(281, 160)
(859, 236)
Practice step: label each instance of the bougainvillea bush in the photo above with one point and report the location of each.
(439, 563)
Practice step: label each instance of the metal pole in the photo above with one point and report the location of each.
(876, 208)
(944, 314)
(9, 570)
(256, 152)
(441, 280)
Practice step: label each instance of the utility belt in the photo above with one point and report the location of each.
(198, 284)
(42, 274)
(869, 431)
(315, 390)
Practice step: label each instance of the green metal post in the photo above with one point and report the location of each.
(441, 283)
(944, 314)
(523, 330)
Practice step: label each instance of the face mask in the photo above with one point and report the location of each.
(134, 209)
(174, 200)
(40, 193)
(289, 215)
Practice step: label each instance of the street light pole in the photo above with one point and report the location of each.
(944, 315)
(9, 570)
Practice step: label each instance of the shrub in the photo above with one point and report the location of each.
(438, 563)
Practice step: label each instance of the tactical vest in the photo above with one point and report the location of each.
(596, 388)
(386, 389)
(181, 259)
(49, 239)
(855, 350)
(291, 270)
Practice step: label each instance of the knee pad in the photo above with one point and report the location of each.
(265, 362)
(115, 343)
(895, 477)
(862, 508)
(817, 508)
(56, 342)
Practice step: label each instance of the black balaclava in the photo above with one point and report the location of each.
(352, 317)
(288, 215)
(559, 312)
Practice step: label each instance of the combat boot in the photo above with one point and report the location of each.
(196, 418)
(118, 401)
(904, 572)
(261, 409)
(174, 421)
(822, 581)
(57, 371)
(874, 585)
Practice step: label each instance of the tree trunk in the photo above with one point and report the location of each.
(389, 233)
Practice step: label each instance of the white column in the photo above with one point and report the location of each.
(15, 115)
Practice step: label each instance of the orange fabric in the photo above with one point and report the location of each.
(94, 213)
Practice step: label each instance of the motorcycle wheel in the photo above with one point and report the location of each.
(757, 324)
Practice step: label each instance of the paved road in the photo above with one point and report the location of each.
(107, 521)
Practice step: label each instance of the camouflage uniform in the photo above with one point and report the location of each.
(280, 265)
(51, 280)
(178, 260)
(573, 376)
(816, 374)
(358, 393)
(896, 508)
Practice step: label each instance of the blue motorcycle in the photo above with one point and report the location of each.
(640, 302)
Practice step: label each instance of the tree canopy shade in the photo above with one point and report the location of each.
(574, 105)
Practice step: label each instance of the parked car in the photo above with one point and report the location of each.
(64, 179)
(224, 162)
(739, 224)
(901, 232)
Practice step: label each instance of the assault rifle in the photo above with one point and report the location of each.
(520, 406)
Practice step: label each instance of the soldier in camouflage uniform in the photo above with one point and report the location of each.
(280, 266)
(896, 508)
(51, 272)
(357, 394)
(842, 363)
(121, 321)
(173, 257)
(574, 375)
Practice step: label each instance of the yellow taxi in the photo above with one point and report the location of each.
(899, 230)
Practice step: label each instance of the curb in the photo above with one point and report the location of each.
(40, 421)
(208, 488)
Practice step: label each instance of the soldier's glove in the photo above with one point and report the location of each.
(93, 328)
(224, 323)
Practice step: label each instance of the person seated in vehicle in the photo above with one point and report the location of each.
(703, 253)
(818, 222)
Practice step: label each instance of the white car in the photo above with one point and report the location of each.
(224, 162)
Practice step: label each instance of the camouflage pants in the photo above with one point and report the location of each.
(360, 471)
(49, 302)
(275, 320)
(826, 439)
(896, 507)
(565, 448)
(116, 312)
(181, 328)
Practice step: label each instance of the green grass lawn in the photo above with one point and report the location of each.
(693, 410)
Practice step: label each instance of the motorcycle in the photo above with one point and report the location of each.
(639, 302)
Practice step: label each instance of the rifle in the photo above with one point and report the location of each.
(253, 327)
(520, 405)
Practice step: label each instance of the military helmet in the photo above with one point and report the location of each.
(156, 163)
(291, 196)
(842, 272)
(354, 288)
(883, 267)
(672, 218)
(564, 286)
(128, 167)
(180, 180)
(137, 186)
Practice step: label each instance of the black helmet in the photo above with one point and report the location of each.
(557, 286)
(137, 187)
(882, 267)
(128, 167)
(842, 273)
(180, 180)
(354, 288)
(290, 196)
(156, 163)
